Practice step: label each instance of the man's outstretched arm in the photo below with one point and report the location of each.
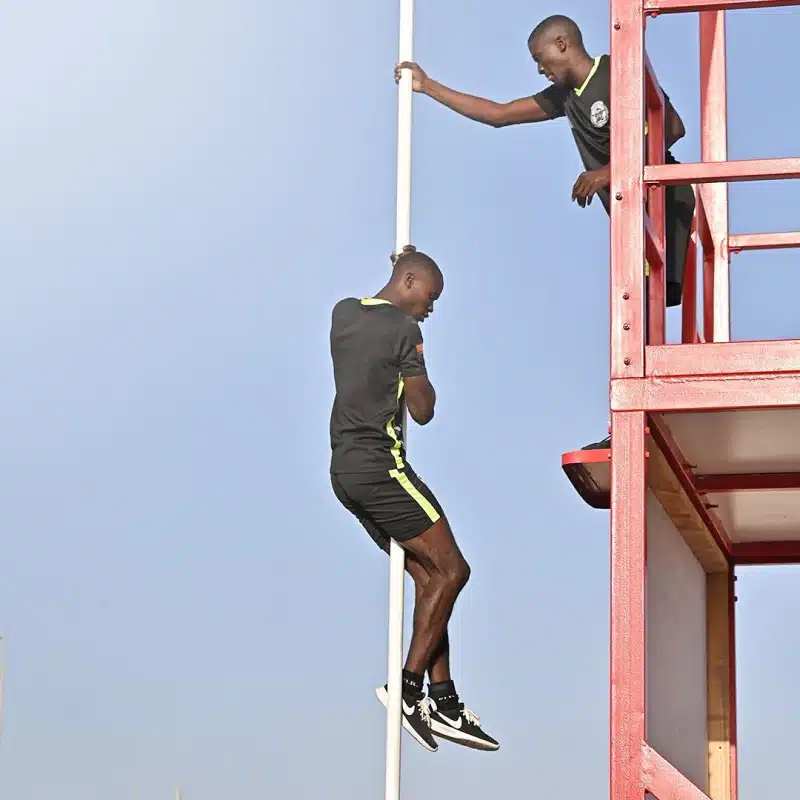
(498, 115)
(420, 398)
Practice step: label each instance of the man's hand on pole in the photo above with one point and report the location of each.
(418, 76)
(589, 184)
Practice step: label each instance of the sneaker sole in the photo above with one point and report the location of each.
(383, 696)
(458, 737)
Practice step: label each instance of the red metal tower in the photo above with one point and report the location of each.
(704, 470)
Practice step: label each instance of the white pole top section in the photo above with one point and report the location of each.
(404, 105)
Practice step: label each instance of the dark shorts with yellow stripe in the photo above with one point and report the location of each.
(394, 505)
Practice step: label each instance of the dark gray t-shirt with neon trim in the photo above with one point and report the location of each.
(588, 110)
(374, 346)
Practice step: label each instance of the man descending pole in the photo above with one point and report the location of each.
(581, 92)
(379, 367)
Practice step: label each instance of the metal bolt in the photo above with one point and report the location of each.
(627, 362)
(646, 430)
(626, 296)
(647, 454)
(617, 26)
(618, 195)
(626, 326)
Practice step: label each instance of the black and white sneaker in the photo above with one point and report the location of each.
(460, 725)
(416, 717)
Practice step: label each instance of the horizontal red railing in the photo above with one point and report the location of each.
(683, 6)
(763, 241)
(763, 169)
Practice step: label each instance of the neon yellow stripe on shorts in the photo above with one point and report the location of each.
(424, 503)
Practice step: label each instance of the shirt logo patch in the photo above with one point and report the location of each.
(420, 348)
(599, 114)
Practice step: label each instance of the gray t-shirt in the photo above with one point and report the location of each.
(374, 346)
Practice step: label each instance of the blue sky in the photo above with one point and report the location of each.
(187, 189)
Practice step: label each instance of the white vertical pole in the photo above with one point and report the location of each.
(394, 716)
(2, 679)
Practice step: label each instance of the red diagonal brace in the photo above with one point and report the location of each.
(664, 781)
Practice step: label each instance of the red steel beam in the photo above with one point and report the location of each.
(703, 229)
(706, 393)
(654, 94)
(655, 220)
(689, 299)
(714, 147)
(655, 7)
(724, 358)
(628, 603)
(627, 190)
(756, 169)
(763, 241)
(664, 781)
(653, 243)
(752, 553)
(669, 447)
(747, 482)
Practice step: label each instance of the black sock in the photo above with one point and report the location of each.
(444, 694)
(412, 682)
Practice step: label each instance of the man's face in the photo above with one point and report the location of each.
(550, 54)
(423, 289)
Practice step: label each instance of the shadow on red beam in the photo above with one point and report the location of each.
(755, 553)
(723, 171)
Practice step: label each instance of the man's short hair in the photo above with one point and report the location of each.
(411, 258)
(558, 24)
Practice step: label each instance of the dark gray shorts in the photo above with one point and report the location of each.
(390, 505)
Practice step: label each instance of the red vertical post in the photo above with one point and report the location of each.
(628, 487)
(708, 295)
(656, 152)
(628, 603)
(714, 147)
(689, 302)
(627, 193)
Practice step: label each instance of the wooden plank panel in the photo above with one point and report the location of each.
(720, 740)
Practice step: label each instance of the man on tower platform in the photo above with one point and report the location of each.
(580, 90)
